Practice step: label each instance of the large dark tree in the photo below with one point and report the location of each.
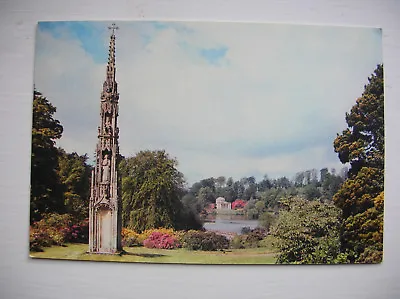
(46, 191)
(362, 143)
(361, 196)
(152, 188)
(74, 174)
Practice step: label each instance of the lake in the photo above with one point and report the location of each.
(228, 223)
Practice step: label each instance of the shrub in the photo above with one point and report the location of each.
(250, 239)
(161, 241)
(169, 231)
(307, 232)
(266, 220)
(245, 230)
(238, 242)
(208, 241)
(78, 232)
(269, 243)
(130, 238)
(238, 204)
(56, 229)
(39, 239)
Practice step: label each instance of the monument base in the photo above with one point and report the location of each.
(119, 252)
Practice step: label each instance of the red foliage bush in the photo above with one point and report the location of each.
(55, 229)
(238, 204)
(161, 241)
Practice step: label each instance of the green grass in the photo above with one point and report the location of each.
(146, 255)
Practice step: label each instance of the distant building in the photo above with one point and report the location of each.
(222, 204)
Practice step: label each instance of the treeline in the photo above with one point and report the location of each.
(308, 184)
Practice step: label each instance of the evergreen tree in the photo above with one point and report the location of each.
(361, 196)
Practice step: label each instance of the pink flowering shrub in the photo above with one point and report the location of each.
(56, 229)
(161, 241)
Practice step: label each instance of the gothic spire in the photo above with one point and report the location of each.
(110, 86)
(105, 199)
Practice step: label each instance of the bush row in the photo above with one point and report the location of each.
(169, 239)
(56, 229)
(193, 239)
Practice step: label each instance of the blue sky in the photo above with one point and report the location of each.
(231, 99)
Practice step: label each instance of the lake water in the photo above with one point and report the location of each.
(228, 223)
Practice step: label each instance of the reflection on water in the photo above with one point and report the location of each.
(228, 223)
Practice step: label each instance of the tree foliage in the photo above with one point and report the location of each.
(151, 191)
(361, 196)
(74, 174)
(362, 143)
(308, 232)
(46, 191)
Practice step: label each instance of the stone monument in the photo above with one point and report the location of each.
(105, 199)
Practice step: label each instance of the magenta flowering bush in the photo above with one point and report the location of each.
(161, 241)
(56, 229)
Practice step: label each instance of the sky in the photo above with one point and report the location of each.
(224, 99)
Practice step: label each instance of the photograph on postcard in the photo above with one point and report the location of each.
(207, 143)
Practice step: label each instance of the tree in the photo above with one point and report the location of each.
(209, 182)
(238, 190)
(74, 174)
(308, 232)
(272, 196)
(264, 184)
(46, 189)
(283, 182)
(266, 220)
(190, 201)
(206, 196)
(370, 241)
(311, 192)
(314, 176)
(299, 179)
(221, 180)
(260, 206)
(324, 172)
(361, 200)
(361, 195)
(330, 185)
(250, 192)
(195, 188)
(229, 182)
(362, 143)
(250, 186)
(229, 194)
(151, 191)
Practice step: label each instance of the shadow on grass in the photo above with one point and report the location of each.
(151, 255)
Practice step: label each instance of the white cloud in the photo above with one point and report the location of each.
(277, 87)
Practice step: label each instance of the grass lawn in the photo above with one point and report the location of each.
(175, 256)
